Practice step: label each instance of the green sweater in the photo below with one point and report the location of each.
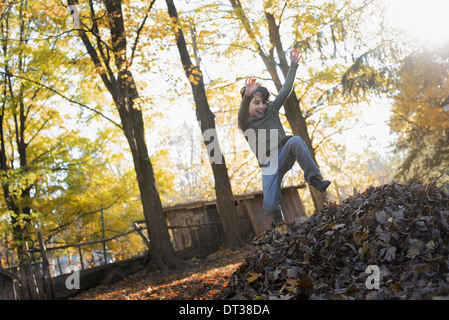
(267, 134)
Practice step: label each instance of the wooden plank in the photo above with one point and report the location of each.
(245, 224)
(7, 288)
(298, 205)
(3, 288)
(260, 221)
(291, 206)
(12, 290)
(24, 286)
(30, 275)
(144, 237)
(17, 287)
(288, 206)
(29, 279)
(39, 282)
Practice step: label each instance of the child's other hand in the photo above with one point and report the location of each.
(251, 86)
(295, 55)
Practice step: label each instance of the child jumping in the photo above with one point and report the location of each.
(258, 118)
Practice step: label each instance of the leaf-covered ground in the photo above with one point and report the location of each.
(402, 231)
(202, 280)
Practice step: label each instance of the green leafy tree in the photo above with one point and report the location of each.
(420, 91)
(28, 117)
(58, 163)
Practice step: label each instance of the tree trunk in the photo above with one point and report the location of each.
(16, 204)
(162, 252)
(123, 90)
(223, 191)
(21, 224)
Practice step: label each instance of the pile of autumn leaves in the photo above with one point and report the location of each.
(399, 231)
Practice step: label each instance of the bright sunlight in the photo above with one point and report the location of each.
(425, 20)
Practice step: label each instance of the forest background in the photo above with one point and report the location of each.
(104, 105)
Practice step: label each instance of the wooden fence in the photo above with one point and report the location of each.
(190, 225)
(79, 246)
(34, 278)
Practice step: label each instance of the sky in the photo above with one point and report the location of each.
(425, 21)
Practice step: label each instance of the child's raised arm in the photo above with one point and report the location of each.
(251, 86)
(295, 56)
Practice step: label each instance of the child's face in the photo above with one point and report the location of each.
(257, 107)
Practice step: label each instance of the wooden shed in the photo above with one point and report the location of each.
(198, 222)
(7, 291)
(251, 206)
(193, 223)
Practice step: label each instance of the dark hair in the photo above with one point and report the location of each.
(262, 91)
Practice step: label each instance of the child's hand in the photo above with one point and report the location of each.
(295, 55)
(251, 86)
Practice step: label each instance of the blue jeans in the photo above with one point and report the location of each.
(274, 171)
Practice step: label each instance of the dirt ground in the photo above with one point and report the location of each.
(202, 280)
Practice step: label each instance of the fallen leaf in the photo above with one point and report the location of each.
(253, 277)
(388, 254)
(414, 248)
(381, 217)
(360, 236)
(276, 273)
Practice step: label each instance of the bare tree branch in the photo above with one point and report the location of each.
(65, 97)
(138, 33)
